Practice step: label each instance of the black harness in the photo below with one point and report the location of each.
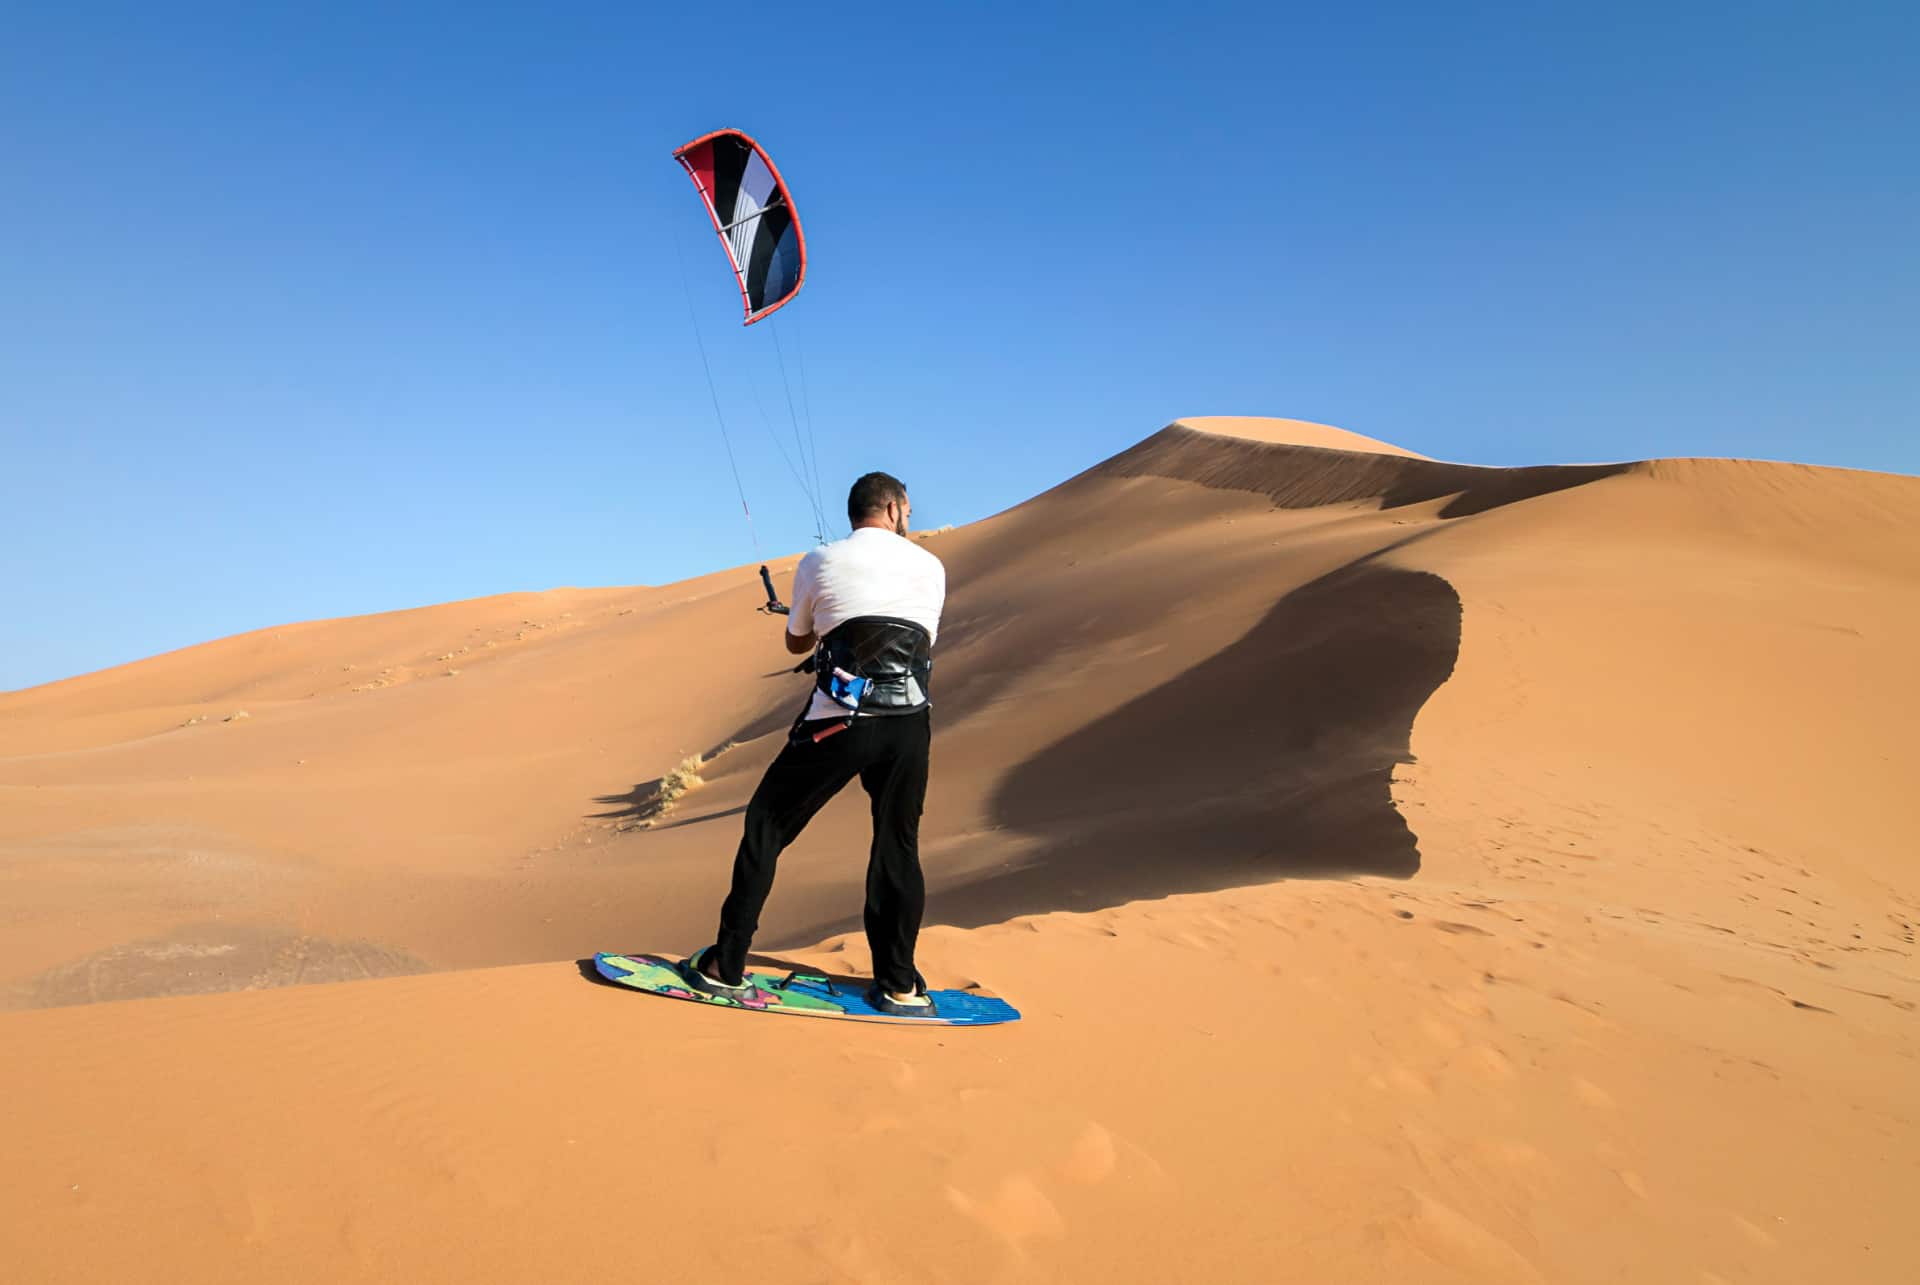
(870, 666)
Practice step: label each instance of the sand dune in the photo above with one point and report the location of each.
(1406, 868)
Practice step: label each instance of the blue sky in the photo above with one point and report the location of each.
(315, 310)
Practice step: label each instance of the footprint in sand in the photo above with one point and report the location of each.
(1467, 1002)
(1092, 1158)
(1491, 1062)
(1522, 1159)
(898, 1071)
(1409, 1082)
(1017, 1212)
(1592, 1094)
(1457, 1241)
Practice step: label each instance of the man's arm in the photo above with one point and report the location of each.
(799, 629)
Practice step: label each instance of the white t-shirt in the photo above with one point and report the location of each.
(872, 572)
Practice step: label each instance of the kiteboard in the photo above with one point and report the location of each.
(802, 994)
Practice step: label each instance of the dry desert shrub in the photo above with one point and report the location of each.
(670, 788)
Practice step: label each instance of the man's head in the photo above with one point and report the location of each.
(879, 500)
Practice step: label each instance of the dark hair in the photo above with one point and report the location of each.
(872, 494)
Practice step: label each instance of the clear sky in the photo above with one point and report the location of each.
(313, 310)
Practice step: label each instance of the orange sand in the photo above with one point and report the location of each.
(1408, 871)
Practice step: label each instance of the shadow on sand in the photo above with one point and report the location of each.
(1272, 759)
(1275, 757)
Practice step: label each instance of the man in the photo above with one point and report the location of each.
(868, 609)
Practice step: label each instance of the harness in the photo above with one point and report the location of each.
(870, 666)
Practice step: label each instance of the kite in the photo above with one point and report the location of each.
(752, 211)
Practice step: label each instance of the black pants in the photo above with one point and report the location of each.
(889, 754)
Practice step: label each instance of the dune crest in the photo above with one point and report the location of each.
(1289, 432)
